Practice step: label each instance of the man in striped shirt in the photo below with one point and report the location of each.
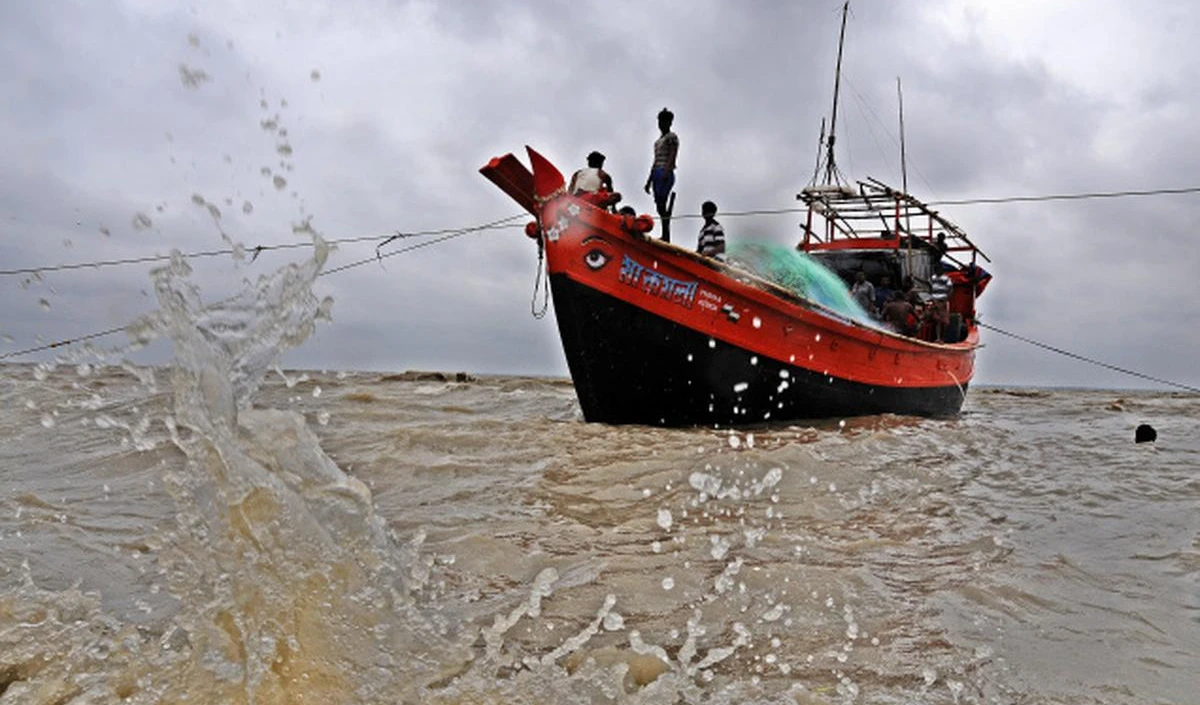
(712, 235)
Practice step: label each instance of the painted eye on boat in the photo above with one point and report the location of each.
(595, 259)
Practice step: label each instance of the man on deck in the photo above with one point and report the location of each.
(593, 183)
(712, 235)
(662, 172)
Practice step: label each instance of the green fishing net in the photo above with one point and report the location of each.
(797, 272)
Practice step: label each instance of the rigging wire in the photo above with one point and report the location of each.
(1066, 196)
(450, 233)
(62, 343)
(506, 223)
(1089, 360)
(255, 251)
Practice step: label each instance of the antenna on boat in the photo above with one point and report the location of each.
(831, 172)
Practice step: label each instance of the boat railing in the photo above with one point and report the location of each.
(873, 210)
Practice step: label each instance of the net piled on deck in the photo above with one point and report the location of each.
(797, 272)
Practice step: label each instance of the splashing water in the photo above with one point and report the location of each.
(275, 578)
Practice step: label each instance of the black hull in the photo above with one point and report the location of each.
(632, 366)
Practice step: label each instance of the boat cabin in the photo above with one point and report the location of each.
(873, 228)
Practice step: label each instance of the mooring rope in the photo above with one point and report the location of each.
(1089, 360)
(506, 223)
(61, 343)
(449, 234)
(541, 280)
(259, 249)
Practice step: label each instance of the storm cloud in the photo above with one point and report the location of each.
(132, 128)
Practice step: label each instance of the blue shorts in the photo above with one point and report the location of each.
(662, 180)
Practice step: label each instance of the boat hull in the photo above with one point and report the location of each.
(632, 366)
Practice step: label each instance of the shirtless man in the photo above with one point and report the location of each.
(662, 172)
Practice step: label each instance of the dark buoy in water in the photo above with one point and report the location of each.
(1145, 433)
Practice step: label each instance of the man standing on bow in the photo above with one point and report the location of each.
(662, 173)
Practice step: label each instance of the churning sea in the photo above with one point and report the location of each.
(217, 531)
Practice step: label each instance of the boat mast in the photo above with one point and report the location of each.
(830, 166)
(904, 176)
(903, 158)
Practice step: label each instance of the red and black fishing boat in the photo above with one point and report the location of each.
(657, 334)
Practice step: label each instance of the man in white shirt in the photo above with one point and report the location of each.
(593, 183)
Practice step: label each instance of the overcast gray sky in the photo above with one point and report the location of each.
(119, 117)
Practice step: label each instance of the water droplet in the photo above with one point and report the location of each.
(317, 392)
(192, 78)
(712, 343)
(44, 304)
(47, 420)
(141, 221)
(757, 322)
(247, 207)
(664, 519)
(280, 182)
(315, 76)
(740, 387)
(668, 583)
